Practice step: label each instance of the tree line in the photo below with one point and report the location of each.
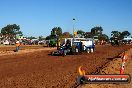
(12, 30)
(95, 31)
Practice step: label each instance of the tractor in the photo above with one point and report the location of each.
(65, 49)
(77, 46)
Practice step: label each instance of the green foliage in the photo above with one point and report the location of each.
(96, 31)
(11, 31)
(81, 33)
(53, 42)
(124, 33)
(103, 37)
(115, 33)
(31, 37)
(120, 35)
(88, 35)
(48, 37)
(41, 38)
(56, 31)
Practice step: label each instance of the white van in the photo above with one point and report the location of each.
(6, 42)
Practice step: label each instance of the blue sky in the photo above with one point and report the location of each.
(38, 17)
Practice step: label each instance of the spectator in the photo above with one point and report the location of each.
(17, 45)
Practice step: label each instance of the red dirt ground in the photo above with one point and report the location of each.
(40, 70)
(113, 67)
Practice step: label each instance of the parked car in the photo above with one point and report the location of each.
(6, 42)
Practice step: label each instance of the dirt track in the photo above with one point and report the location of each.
(9, 50)
(39, 70)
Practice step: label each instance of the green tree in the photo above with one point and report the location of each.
(31, 37)
(124, 33)
(115, 34)
(96, 31)
(56, 31)
(81, 33)
(88, 35)
(48, 37)
(41, 38)
(103, 37)
(120, 35)
(11, 31)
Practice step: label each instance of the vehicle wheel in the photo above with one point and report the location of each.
(52, 53)
(64, 54)
(91, 50)
(76, 50)
(88, 50)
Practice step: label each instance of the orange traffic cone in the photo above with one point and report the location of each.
(122, 69)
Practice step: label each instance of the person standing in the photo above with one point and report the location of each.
(17, 45)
